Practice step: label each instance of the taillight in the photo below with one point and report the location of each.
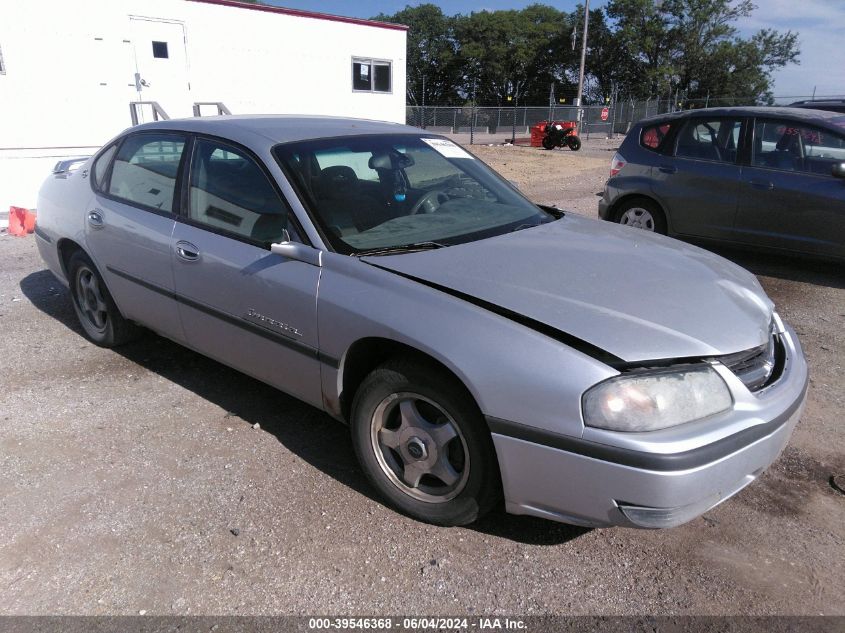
(616, 164)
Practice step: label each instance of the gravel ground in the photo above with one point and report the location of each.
(134, 480)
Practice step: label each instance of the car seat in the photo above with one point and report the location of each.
(269, 227)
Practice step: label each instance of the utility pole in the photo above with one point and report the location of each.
(472, 114)
(583, 60)
(423, 102)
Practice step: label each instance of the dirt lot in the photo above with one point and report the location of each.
(560, 177)
(133, 480)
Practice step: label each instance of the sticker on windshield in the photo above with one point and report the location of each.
(446, 148)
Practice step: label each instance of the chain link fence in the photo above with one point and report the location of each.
(518, 120)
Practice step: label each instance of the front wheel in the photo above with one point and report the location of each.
(97, 313)
(423, 444)
(573, 143)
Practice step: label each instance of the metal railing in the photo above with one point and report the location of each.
(221, 108)
(135, 108)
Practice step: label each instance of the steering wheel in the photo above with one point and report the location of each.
(429, 202)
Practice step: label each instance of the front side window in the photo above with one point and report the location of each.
(145, 170)
(230, 192)
(792, 146)
(371, 75)
(380, 192)
(714, 140)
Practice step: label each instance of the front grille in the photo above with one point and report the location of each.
(757, 367)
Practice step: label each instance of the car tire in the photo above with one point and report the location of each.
(424, 445)
(573, 143)
(643, 214)
(98, 315)
(548, 143)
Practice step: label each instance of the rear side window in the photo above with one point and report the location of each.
(145, 170)
(652, 136)
(101, 168)
(713, 140)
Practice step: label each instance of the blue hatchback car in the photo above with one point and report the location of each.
(772, 178)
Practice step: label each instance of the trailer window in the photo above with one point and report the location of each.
(371, 75)
(160, 50)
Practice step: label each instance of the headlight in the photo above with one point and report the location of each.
(647, 401)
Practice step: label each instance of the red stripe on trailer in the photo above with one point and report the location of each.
(304, 14)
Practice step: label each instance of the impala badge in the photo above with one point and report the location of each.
(271, 324)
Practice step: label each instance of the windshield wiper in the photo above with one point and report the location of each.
(402, 248)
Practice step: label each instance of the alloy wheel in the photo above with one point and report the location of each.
(419, 447)
(90, 299)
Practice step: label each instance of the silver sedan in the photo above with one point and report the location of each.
(480, 347)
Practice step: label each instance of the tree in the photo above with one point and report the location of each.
(432, 58)
(645, 42)
(645, 48)
(693, 47)
(514, 54)
(607, 63)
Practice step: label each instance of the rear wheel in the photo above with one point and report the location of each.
(643, 214)
(548, 142)
(573, 143)
(97, 313)
(423, 444)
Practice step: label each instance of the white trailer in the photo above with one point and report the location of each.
(70, 70)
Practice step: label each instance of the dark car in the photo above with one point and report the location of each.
(765, 177)
(831, 105)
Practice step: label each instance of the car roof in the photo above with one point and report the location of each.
(807, 102)
(805, 114)
(278, 128)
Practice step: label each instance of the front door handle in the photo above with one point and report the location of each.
(667, 169)
(765, 185)
(187, 251)
(95, 219)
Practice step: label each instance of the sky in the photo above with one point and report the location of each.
(820, 24)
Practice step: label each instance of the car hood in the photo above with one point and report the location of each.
(633, 294)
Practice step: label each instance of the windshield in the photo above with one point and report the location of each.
(377, 192)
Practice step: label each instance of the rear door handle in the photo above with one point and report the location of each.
(187, 251)
(95, 218)
(668, 169)
(762, 184)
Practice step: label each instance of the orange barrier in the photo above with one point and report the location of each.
(21, 221)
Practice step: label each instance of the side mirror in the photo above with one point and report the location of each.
(297, 251)
(838, 170)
